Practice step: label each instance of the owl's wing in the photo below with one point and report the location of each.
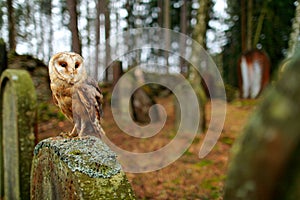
(54, 88)
(87, 108)
(55, 99)
(98, 96)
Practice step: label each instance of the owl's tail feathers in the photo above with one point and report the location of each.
(91, 129)
(102, 131)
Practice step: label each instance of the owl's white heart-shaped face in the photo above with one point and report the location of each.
(68, 67)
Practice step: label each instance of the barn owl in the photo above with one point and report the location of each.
(77, 95)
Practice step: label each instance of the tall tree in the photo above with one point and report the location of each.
(183, 29)
(260, 22)
(199, 34)
(42, 35)
(11, 26)
(243, 25)
(97, 25)
(107, 35)
(167, 25)
(293, 41)
(160, 5)
(200, 29)
(88, 35)
(50, 38)
(73, 25)
(249, 24)
(45, 12)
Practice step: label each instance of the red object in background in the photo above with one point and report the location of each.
(253, 73)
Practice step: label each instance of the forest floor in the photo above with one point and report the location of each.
(189, 177)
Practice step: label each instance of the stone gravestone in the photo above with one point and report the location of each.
(265, 161)
(17, 138)
(77, 168)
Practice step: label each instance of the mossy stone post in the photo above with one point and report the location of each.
(77, 168)
(265, 161)
(17, 139)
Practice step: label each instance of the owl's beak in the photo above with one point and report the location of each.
(72, 77)
(72, 73)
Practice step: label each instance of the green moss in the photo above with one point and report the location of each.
(227, 140)
(19, 102)
(188, 153)
(81, 168)
(203, 163)
(86, 155)
(231, 92)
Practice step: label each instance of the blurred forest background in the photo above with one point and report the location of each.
(225, 28)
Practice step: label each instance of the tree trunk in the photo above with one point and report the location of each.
(36, 34)
(243, 25)
(183, 28)
(199, 35)
(249, 24)
(88, 37)
(293, 42)
(42, 39)
(160, 4)
(107, 35)
(117, 71)
(11, 26)
(97, 25)
(260, 23)
(50, 38)
(202, 20)
(167, 35)
(73, 26)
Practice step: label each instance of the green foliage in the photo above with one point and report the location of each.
(227, 140)
(204, 162)
(48, 111)
(210, 184)
(231, 92)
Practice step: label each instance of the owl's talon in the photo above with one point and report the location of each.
(68, 134)
(72, 135)
(64, 135)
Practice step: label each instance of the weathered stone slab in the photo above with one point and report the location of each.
(17, 139)
(77, 168)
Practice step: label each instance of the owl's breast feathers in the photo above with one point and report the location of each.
(62, 96)
(81, 103)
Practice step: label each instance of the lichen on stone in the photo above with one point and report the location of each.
(88, 155)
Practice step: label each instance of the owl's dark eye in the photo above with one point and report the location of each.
(76, 65)
(63, 64)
